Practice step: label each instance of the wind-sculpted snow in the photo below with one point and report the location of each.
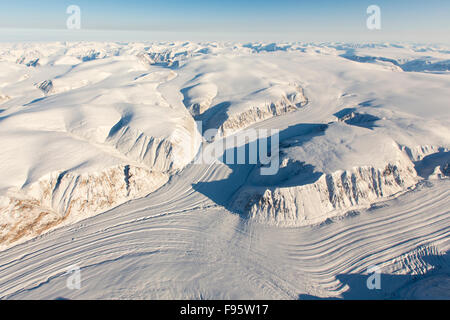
(99, 143)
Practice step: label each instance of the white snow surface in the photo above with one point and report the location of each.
(97, 143)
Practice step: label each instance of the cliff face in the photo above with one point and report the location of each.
(268, 103)
(285, 104)
(134, 166)
(63, 197)
(326, 174)
(161, 154)
(91, 138)
(86, 127)
(331, 195)
(68, 197)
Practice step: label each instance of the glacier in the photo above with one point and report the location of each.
(97, 166)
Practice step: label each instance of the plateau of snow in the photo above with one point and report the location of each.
(97, 169)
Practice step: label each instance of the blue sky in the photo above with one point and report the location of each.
(323, 20)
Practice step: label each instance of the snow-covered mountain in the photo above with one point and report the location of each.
(115, 128)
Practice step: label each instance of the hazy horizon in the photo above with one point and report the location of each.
(284, 20)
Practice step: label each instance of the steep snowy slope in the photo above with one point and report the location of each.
(366, 155)
(356, 142)
(186, 247)
(98, 134)
(91, 128)
(231, 92)
(125, 107)
(324, 174)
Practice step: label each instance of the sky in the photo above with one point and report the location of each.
(274, 20)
